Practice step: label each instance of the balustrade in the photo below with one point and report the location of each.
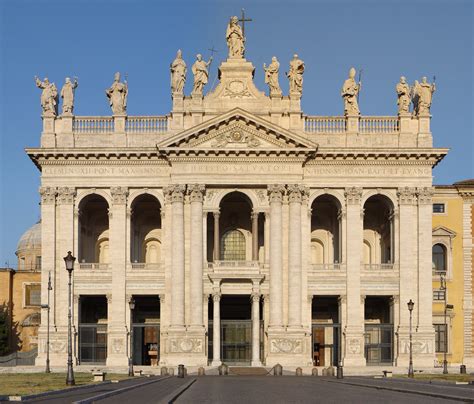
(145, 265)
(93, 265)
(328, 267)
(325, 124)
(378, 124)
(133, 124)
(337, 124)
(379, 267)
(146, 124)
(234, 264)
(93, 124)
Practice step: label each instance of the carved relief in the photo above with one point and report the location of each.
(119, 195)
(353, 346)
(236, 136)
(57, 346)
(48, 195)
(66, 195)
(196, 192)
(276, 192)
(117, 345)
(236, 89)
(353, 195)
(187, 345)
(286, 345)
(406, 196)
(418, 346)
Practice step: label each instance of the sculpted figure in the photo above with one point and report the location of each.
(49, 96)
(415, 97)
(349, 92)
(67, 94)
(235, 39)
(295, 75)
(117, 95)
(425, 92)
(178, 73)
(201, 74)
(404, 96)
(271, 76)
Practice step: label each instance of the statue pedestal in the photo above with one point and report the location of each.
(407, 139)
(119, 137)
(48, 136)
(424, 132)
(352, 124)
(177, 113)
(65, 136)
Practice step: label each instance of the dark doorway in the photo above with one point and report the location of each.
(326, 330)
(146, 330)
(378, 330)
(92, 329)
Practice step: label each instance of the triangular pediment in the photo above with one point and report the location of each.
(237, 130)
(441, 231)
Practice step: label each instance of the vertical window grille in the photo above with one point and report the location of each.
(233, 246)
(441, 337)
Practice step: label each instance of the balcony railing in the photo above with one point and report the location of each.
(378, 124)
(338, 124)
(234, 264)
(133, 124)
(379, 267)
(325, 124)
(146, 124)
(93, 124)
(328, 267)
(93, 265)
(145, 265)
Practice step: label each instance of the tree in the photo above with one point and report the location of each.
(4, 348)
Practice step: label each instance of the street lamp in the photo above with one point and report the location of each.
(131, 304)
(69, 260)
(47, 306)
(411, 374)
(445, 359)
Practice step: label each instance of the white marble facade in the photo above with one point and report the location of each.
(237, 157)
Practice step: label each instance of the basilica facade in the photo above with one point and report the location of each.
(237, 228)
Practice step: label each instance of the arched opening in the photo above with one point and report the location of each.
(93, 230)
(233, 246)
(146, 231)
(378, 239)
(326, 230)
(440, 263)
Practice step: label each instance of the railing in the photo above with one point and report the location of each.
(234, 264)
(145, 265)
(328, 267)
(325, 124)
(93, 265)
(378, 124)
(146, 124)
(93, 124)
(379, 267)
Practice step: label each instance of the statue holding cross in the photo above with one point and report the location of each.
(235, 39)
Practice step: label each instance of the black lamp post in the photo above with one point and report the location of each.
(69, 260)
(47, 306)
(445, 353)
(410, 305)
(131, 304)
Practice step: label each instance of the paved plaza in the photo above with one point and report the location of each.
(247, 389)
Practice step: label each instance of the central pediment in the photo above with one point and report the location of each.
(238, 130)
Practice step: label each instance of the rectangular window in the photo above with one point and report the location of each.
(441, 337)
(38, 262)
(438, 208)
(33, 295)
(439, 294)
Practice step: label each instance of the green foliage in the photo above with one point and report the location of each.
(3, 331)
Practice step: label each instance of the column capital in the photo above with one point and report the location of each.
(216, 296)
(216, 214)
(66, 195)
(406, 195)
(353, 195)
(48, 195)
(295, 193)
(119, 195)
(254, 214)
(162, 298)
(255, 297)
(425, 195)
(196, 192)
(276, 192)
(175, 193)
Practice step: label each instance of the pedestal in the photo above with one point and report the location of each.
(289, 347)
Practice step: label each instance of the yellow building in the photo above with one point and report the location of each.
(20, 292)
(453, 273)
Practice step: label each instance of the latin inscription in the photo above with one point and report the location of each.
(104, 171)
(369, 171)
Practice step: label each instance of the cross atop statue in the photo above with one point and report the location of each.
(243, 20)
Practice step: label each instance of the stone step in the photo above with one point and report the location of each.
(247, 371)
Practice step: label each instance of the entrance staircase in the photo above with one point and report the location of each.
(247, 371)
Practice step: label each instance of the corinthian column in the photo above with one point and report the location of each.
(176, 196)
(254, 236)
(294, 255)
(255, 298)
(216, 332)
(196, 193)
(275, 193)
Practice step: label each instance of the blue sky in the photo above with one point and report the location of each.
(93, 39)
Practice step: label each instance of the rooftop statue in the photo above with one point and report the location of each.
(271, 76)
(67, 94)
(235, 39)
(422, 97)
(295, 75)
(350, 91)
(201, 74)
(178, 73)
(117, 94)
(49, 96)
(404, 96)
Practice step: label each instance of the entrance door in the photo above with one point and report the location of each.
(146, 345)
(325, 345)
(236, 337)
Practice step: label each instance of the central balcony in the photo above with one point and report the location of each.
(235, 269)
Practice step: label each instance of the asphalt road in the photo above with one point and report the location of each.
(262, 390)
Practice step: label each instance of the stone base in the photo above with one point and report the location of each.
(289, 347)
(354, 349)
(422, 349)
(184, 346)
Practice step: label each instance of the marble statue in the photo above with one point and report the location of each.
(271, 76)
(295, 75)
(49, 96)
(178, 73)
(423, 96)
(117, 94)
(349, 93)
(201, 74)
(404, 96)
(235, 39)
(67, 94)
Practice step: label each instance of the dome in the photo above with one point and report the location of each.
(31, 238)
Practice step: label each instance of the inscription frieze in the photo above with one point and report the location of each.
(368, 171)
(103, 171)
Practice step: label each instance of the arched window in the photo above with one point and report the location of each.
(233, 246)
(439, 258)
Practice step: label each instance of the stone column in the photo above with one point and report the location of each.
(216, 332)
(266, 237)
(255, 299)
(177, 255)
(276, 265)
(294, 255)
(255, 236)
(117, 312)
(196, 193)
(354, 330)
(217, 253)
